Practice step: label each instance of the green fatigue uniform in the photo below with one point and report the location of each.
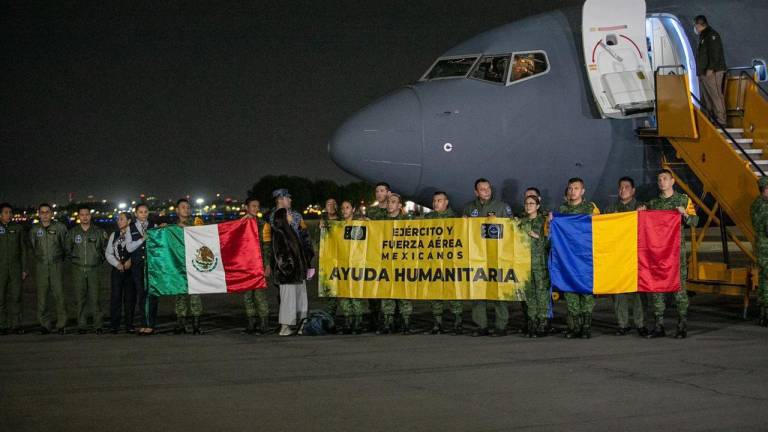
(374, 305)
(13, 262)
(86, 252)
(681, 296)
(477, 208)
(48, 246)
(537, 290)
(580, 306)
(256, 300)
(390, 306)
(331, 303)
(759, 212)
(455, 306)
(622, 302)
(195, 306)
(352, 309)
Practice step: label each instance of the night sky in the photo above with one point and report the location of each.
(114, 99)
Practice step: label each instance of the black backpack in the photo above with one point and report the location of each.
(317, 323)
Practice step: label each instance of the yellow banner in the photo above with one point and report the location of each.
(429, 259)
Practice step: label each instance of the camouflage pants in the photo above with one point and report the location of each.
(537, 296)
(331, 305)
(455, 306)
(351, 307)
(579, 303)
(621, 304)
(255, 302)
(480, 313)
(183, 309)
(762, 278)
(388, 307)
(681, 298)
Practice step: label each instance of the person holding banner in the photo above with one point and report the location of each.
(378, 212)
(441, 210)
(352, 308)
(389, 306)
(485, 205)
(255, 301)
(330, 213)
(580, 306)
(291, 266)
(621, 302)
(195, 306)
(537, 291)
(668, 199)
(759, 213)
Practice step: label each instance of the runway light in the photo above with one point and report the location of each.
(122, 206)
(199, 201)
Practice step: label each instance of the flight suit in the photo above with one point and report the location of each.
(13, 262)
(86, 253)
(255, 301)
(374, 305)
(681, 296)
(537, 292)
(580, 306)
(390, 306)
(622, 302)
(48, 247)
(194, 306)
(455, 306)
(477, 208)
(759, 212)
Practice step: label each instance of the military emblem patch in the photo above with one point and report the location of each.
(78, 239)
(475, 213)
(205, 260)
(40, 233)
(2, 230)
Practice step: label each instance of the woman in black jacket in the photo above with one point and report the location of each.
(290, 265)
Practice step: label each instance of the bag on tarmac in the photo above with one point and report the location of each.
(317, 323)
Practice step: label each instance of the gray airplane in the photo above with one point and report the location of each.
(539, 100)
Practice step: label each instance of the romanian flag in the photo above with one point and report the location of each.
(208, 259)
(616, 253)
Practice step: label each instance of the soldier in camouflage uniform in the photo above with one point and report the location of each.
(85, 247)
(484, 205)
(621, 302)
(13, 270)
(352, 308)
(442, 210)
(579, 305)
(330, 213)
(195, 306)
(377, 212)
(390, 306)
(48, 241)
(759, 213)
(537, 290)
(255, 301)
(668, 199)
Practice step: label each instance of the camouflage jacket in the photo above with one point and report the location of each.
(759, 212)
(620, 207)
(539, 246)
(584, 207)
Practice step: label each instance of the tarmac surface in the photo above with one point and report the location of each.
(225, 380)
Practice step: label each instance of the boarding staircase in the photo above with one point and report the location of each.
(727, 159)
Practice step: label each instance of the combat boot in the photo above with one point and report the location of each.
(181, 326)
(658, 330)
(386, 327)
(263, 327)
(533, 329)
(357, 322)
(542, 329)
(763, 321)
(251, 328)
(347, 328)
(586, 326)
(437, 328)
(458, 328)
(574, 326)
(196, 326)
(407, 327)
(682, 328)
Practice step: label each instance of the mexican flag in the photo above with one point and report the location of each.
(208, 259)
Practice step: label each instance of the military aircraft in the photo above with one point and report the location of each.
(542, 99)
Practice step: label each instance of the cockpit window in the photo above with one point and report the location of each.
(492, 68)
(450, 68)
(527, 65)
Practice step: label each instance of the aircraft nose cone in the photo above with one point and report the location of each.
(383, 142)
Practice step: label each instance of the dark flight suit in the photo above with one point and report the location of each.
(48, 247)
(477, 208)
(13, 262)
(86, 252)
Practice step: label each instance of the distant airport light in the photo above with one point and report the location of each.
(122, 206)
(199, 201)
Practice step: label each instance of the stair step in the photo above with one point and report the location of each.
(733, 130)
(742, 140)
(749, 151)
(761, 162)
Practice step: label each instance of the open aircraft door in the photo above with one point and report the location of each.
(616, 57)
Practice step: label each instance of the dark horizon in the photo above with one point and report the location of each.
(115, 100)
